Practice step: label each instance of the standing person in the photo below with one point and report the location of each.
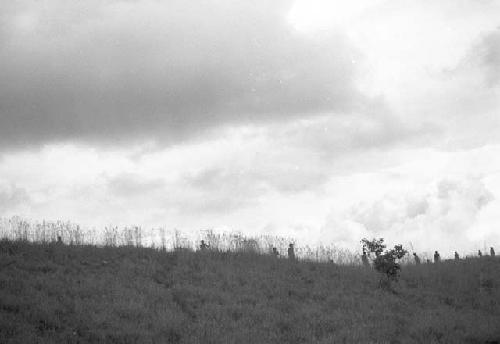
(291, 252)
(457, 257)
(204, 246)
(492, 252)
(364, 259)
(417, 258)
(275, 252)
(437, 257)
(479, 253)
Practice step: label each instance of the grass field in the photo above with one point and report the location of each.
(55, 293)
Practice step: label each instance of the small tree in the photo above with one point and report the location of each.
(387, 262)
(376, 246)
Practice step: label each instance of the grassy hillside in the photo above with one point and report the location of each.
(83, 294)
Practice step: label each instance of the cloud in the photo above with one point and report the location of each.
(491, 58)
(207, 191)
(484, 57)
(457, 98)
(127, 72)
(12, 197)
(444, 216)
(119, 71)
(300, 155)
(130, 185)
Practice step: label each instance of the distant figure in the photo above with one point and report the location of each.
(417, 258)
(275, 252)
(492, 252)
(59, 239)
(364, 259)
(457, 257)
(437, 257)
(479, 253)
(291, 252)
(428, 261)
(204, 246)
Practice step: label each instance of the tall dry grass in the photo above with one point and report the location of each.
(19, 229)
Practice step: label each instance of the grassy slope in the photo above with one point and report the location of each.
(79, 294)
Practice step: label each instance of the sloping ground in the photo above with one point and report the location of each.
(83, 294)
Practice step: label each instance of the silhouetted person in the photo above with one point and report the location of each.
(204, 246)
(457, 257)
(437, 257)
(291, 252)
(479, 253)
(59, 239)
(364, 259)
(275, 252)
(492, 252)
(417, 258)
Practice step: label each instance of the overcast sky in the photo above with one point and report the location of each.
(328, 121)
